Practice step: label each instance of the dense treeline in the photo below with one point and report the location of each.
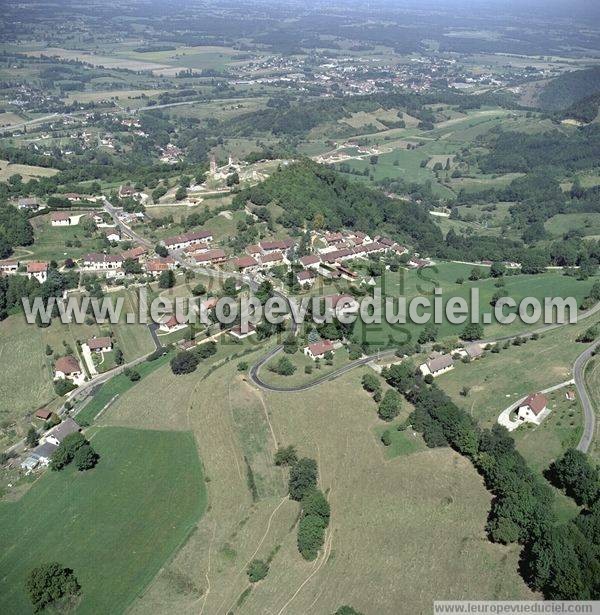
(569, 88)
(519, 152)
(312, 193)
(556, 559)
(584, 110)
(15, 230)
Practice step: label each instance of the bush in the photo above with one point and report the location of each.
(166, 279)
(315, 503)
(286, 456)
(242, 366)
(198, 290)
(63, 386)
(49, 583)
(206, 350)
(386, 438)
(283, 367)
(370, 382)
(428, 379)
(473, 331)
(257, 570)
(184, 363)
(132, 374)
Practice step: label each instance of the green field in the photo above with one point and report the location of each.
(588, 224)
(412, 283)
(592, 382)
(115, 525)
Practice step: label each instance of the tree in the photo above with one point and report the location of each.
(132, 374)
(577, 476)
(497, 269)
(389, 407)
(232, 179)
(428, 334)
(257, 570)
(180, 194)
(286, 456)
(311, 534)
(303, 477)
(184, 363)
(314, 503)
(371, 383)
(166, 279)
(347, 610)
(199, 290)
(66, 450)
(161, 251)
(118, 356)
(32, 438)
(85, 458)
(283, 367)
(476, 274)
(473, 331)
(290, 344)
(50, 583)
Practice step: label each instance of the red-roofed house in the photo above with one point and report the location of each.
(67, 367)
(310, 261)
(211, 257)
(100, 344)
(533, 409)
(306, 277)
(60, 218)
(319, 349)
(37, 270)
(156, 266)
(245, 263)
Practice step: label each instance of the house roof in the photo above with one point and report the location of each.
(439, 363)
(474, 351)
(305, 274)
(37, 267)
(274, 257)
(96, 257)
(187, 237)
(134, 252)
(536, 402)
(43, 413)
(245, 261)
(67, 427)
(173, 321)
(309, 259)
(43, 451)
(210, 255)
(58, 216)
(253, 249)
(319, 348)
(97, 343)
(67, 365)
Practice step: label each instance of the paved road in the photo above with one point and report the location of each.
(589, 415)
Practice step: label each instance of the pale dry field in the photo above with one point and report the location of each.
(403, 532)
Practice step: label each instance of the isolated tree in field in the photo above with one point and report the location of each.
(473, 331)
(85, 458)
(290, 344)
(284, 367)
(132, 374)
(257, 570)
(51, 583)
(233, 179)
(303, 476)
(32, 437)
(497, 269)
(428, 334)
(476, 274)
(180, 194)
(347, 610)
(166, 279)
(286, 456)
(199, 289)
(390, 405)
(184, 363)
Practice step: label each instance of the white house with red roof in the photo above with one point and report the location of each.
(37, 270)
(533, 409)
(319, 349)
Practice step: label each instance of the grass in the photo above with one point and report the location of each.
(8, 169)
(420, 517)
(114, 388)
(592, 383)
(412, 283)
(115, 525)
(588, 224)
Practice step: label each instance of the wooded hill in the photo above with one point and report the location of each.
(570, 88)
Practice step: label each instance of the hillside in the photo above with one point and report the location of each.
(307, 190)
(585, 110)
(570, 88)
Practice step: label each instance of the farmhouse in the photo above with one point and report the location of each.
(310, 261)
(61, 218)
(43, 414)
(9, 267)
(57, 434)
(129, 192)
(211, 256)
(533, 409)
(37, 270)
(178, 242)
(306, 277)
(67, 367)
(28, 203)
(29, 464)
(319, 349)
(278, 245)
(102, 262)
(134, 254)
(156, 266)
(437, 365)
(43, 452)
(253, 250)
(172, 323)
(245, 263)
(100, 344)
(272, 259)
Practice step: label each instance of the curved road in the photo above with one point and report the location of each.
(578, 374)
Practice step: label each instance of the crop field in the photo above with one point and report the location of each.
(122, 95)
(142, 501)
(8, 169)
(422, 282)
(238, 427)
